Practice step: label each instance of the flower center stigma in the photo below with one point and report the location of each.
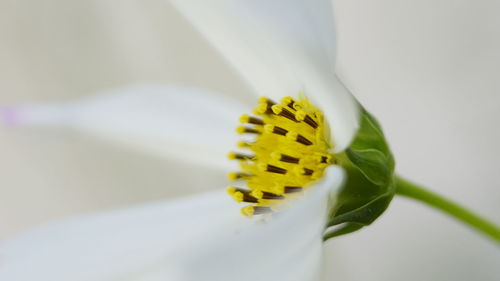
(285, 147)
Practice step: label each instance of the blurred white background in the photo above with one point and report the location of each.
(427, 69)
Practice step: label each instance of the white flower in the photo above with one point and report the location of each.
(199, 238)
(281, 48)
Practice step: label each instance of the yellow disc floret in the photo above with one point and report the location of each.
(289, 151)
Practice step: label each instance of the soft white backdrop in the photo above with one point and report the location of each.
(427, 69)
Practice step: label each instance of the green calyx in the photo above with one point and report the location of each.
(370, 184)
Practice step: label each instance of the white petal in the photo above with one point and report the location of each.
(287, 248)
(177, 121)
(199, 238)
(115, 244)
(281, 47)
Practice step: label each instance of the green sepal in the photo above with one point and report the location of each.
(346, 228)
(370, 183)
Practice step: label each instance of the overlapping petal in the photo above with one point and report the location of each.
(198, 238)
(281, 47)
(186, 123)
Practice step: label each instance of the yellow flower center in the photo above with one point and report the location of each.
(285, 149)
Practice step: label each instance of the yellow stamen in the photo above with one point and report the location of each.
(257, 194)
(288, 101)
(247, 211)
(238, 196)
(244, 118)
(231, 190)
(289, 150)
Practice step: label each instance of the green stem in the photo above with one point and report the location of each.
(411, 190)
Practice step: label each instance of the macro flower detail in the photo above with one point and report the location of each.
(278, 52)
(321, 144)
(285, 150)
